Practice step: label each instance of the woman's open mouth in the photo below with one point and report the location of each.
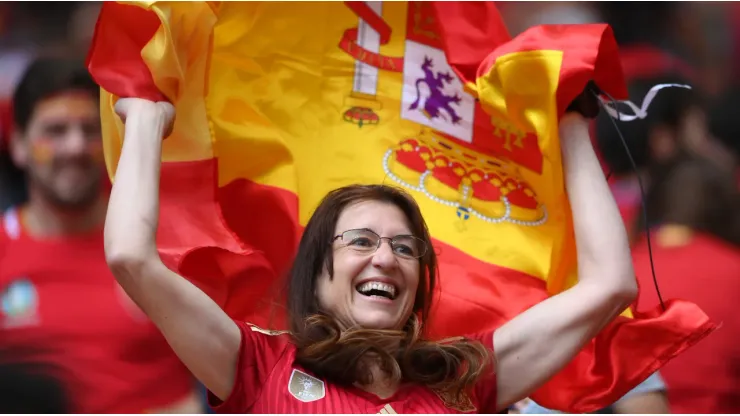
(377, 289)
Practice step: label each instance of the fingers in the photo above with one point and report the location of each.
(126, 107)
(168, 110)
(586, 103)
(121, 108)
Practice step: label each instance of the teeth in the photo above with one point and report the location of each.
(368, 286)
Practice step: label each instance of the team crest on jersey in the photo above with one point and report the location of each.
(306, 388)
(19, 302)
(462, 403)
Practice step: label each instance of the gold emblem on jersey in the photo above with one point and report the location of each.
(387, 410)
(306, 388)
(270, 332)
(461, 403)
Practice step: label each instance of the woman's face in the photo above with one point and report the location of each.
(371, 289)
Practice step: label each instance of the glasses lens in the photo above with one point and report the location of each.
(409, 246)
(360, 240)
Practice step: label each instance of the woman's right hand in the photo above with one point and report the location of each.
(139, 107)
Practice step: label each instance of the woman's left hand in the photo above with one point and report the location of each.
(586, 103)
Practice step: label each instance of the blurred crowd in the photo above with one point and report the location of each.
(683, 159)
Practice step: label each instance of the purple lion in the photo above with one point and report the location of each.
(437, 100)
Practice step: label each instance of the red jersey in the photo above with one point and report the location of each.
(60, 301)
(706, 377)
(269, 381)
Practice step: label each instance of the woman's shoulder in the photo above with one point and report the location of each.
(263, 331)
(261, 339)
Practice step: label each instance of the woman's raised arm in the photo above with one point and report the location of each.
(535, 345)
(199, 332)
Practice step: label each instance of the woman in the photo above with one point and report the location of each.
(359, 294)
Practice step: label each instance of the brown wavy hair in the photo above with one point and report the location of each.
(343, 356)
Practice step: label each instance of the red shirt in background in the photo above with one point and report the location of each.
(705, 378)
(60, 300)
(268, 381)
(626, 193)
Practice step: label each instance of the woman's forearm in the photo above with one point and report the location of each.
(601, 239)
(133, 210)
(193, 324)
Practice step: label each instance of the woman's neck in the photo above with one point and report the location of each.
(382, 386)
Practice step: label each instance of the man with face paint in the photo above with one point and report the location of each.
(58, 300)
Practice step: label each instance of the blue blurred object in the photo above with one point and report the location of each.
(651, 384)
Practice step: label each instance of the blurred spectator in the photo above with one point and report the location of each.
(520, 16)
(693, 209)
(676, 122)
(55, 286)
(724, 123)
(648, 397)
(81, 27)
(12, 189)
(28, 386)
(640, 22)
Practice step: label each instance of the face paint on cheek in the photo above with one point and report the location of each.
(96, 152)
(42, 151)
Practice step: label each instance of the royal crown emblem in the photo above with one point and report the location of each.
(476, 185)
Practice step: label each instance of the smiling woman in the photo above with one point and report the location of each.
(350, 222)
(360, 292)
(376, 294)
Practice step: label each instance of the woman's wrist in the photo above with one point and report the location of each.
(147, 120)
(573, 124)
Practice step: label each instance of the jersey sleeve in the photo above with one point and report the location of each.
(484, 393)
(259, 352)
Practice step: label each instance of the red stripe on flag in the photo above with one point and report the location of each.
(623, 355)
(590, 52)
(235, 255)
(263, 217)
(190, 213)
(114, 59)
(469, 32)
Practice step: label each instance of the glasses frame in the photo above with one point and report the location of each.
(423, 246)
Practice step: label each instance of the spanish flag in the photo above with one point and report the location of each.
(279, 103)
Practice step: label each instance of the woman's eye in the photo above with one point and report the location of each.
(404, 249)
(361, 242)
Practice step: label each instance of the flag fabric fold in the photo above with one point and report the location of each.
(278, 103)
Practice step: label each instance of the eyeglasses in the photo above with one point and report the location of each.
(367, 241)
